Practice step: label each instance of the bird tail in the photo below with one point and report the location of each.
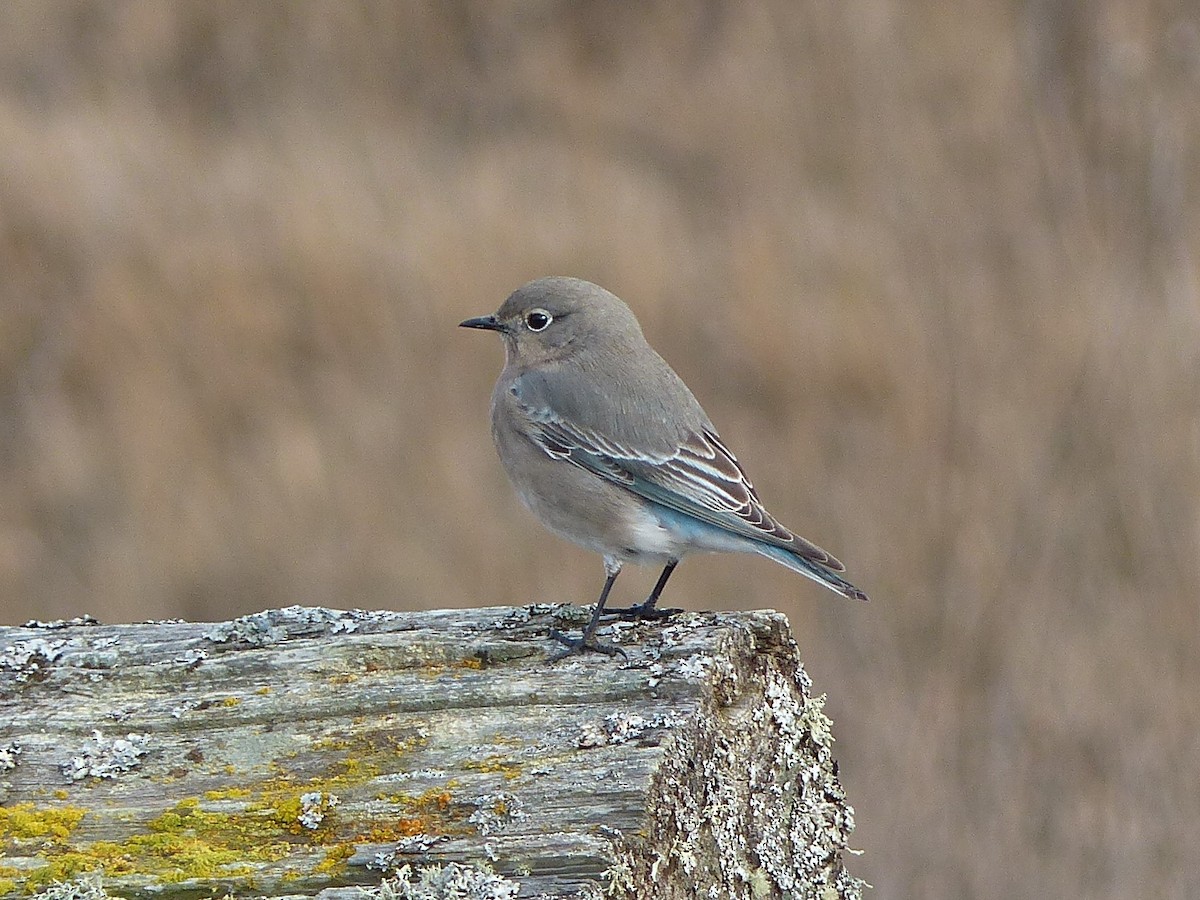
(810, 569)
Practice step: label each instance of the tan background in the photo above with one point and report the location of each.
(932, 268)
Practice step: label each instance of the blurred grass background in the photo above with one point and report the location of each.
(932, 269)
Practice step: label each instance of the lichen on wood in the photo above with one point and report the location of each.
(315, 752)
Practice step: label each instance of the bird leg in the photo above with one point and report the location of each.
(647, 609)
(585, 641)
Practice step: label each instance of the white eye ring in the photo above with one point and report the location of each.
(538, 320)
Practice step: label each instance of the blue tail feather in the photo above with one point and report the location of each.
(810, 569)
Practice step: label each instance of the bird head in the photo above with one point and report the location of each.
(551, 318)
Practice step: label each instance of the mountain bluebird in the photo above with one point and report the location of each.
(606, 445)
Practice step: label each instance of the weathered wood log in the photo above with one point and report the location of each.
(312, 752)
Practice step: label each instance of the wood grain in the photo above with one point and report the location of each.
(314, 752)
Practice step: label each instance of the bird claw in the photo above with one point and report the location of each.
(582, 645)
(642, 611)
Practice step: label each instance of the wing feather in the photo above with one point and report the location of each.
(701, 478)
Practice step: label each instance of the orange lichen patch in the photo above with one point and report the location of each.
(382, 832)
(429, 813)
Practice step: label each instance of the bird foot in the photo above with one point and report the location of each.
(642, 611)
(583, 644)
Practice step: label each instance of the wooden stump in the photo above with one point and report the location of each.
(315, 752)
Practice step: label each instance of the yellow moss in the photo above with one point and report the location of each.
(285, 812)
(495, 763)
(61, 794)
(170, 857)
(233, 793)
(441, 796)
(331, 743)
(231, 701)
(334, 862)
(264, 690)
(242, 831)
(438, 798)
(342, 775)
(60, 869)
(177, 857)
(184, 842)
(189, 842)
(25, 821)
(356, 770)
(381, 745)
(257, 823)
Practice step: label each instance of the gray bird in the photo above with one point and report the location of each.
(606, 445)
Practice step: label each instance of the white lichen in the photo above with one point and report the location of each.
(30, 660)
(257, 630)
(271, 626)
(419, 774)
(620, 728)
(452, 881)
(494, 812)
(88, 886)
(314, 806)
(58, 624)
(747, 799)
(695, 668)
(104, 757)
(192, 657)
(10, 756)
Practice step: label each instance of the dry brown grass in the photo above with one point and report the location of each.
(934, 271)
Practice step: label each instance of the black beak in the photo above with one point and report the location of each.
(488, 323)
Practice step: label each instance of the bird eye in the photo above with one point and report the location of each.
(538, 319)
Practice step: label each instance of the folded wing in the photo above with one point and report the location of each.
(701, 478)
